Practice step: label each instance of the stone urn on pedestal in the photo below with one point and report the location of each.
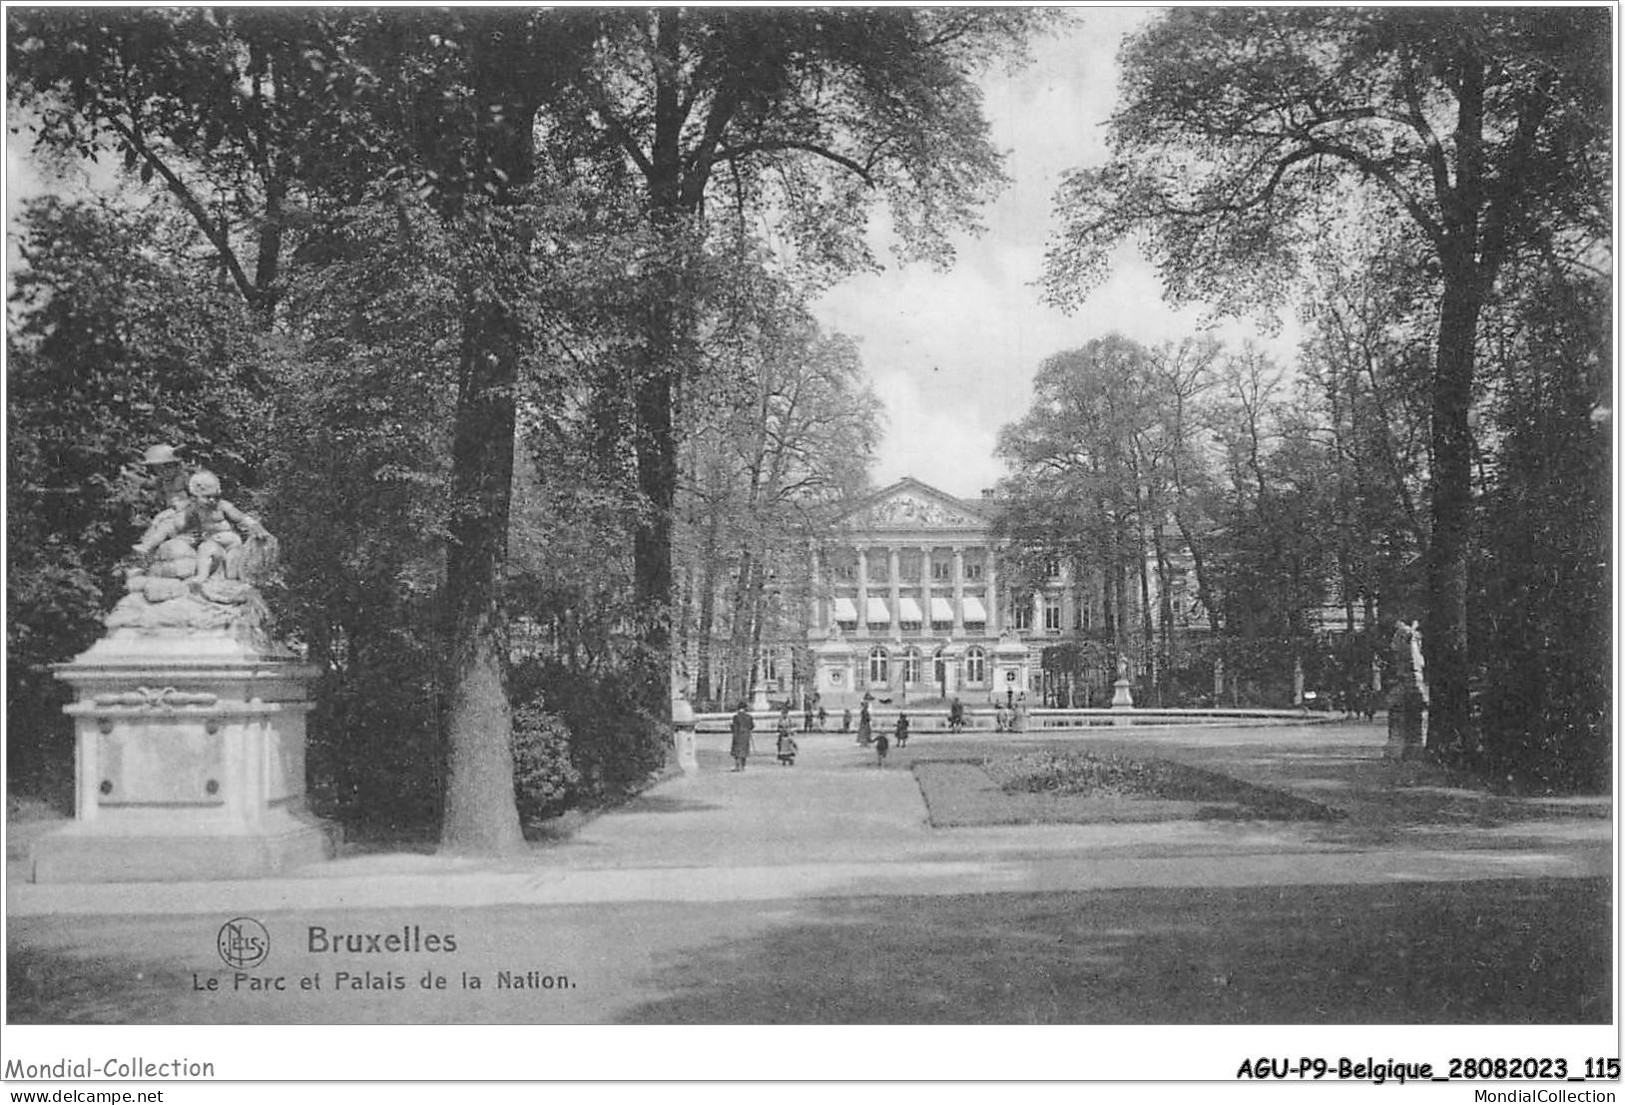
(189, 721)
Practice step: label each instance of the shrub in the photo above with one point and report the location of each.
(546, 782)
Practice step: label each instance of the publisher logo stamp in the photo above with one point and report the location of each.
(243, 943)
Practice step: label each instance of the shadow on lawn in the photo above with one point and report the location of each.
(1504, 952)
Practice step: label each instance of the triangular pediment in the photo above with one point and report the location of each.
(910, 504)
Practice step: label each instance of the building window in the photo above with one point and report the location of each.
(1022, 615)
(973, 569)
(1080, 614)
(1052, 568)
(939, 668)
(769, 667)
(911, 666)
(942, 570)
(975, 665)
(879, 666)
(1052, 613)
(846, 573)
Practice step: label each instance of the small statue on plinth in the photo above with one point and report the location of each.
(1122, 695)
(189, 720)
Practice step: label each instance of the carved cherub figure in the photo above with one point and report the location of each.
(207, 526)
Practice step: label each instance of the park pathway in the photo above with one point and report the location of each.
(837, 825)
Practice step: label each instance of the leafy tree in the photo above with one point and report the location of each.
(1093, 475)
(1542, 587)
(782, 433)
(802, 117)
(1482, 133)
(117, 343)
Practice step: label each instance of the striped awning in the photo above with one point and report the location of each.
(844, 610)
(975, 612)
(878, 613)
(908, 610)
(941, 610)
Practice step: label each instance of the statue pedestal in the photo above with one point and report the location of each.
(190, 762)
(1121, 695)
(683, 725)
(1407, 726)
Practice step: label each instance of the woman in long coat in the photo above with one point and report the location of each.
(742, 725)
(864, 735)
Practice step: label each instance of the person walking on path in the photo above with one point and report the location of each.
(881, 745)
(787, 748)
(784, 732)
(902, 730)
(823, 718)
(846, 720)
(864, 734)
(743, 723)
(807, 715)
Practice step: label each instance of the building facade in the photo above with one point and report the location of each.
(906, 604)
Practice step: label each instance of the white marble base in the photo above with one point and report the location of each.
(189, 763)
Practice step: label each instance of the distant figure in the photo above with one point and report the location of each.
(784, 726)
(743, 723)
(956, 716)
(998, 717)
(902, 730)
(807, 716)
(846, 720)
(823, 719)
(787, 748)
(1018, 715)
(865, 735)
(881, 744)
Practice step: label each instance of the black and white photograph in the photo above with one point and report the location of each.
(912, 542)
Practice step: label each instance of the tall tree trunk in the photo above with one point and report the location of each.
(1445, 642)
(480, 812)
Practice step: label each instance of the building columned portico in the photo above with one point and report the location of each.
(906, 603)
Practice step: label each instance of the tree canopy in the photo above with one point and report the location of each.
(1481, 135)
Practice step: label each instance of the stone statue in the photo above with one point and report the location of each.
(1408, 698)
(168, 476)
(195, 570)
(1410, 669)
(189, 718)
(1122, 666)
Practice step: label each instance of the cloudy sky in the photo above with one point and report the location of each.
(952, 355)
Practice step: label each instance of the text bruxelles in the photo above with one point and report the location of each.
(408, 939)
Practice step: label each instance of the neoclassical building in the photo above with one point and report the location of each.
(907, 604)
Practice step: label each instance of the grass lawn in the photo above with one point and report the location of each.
(1069, 786)
(1525, 952)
